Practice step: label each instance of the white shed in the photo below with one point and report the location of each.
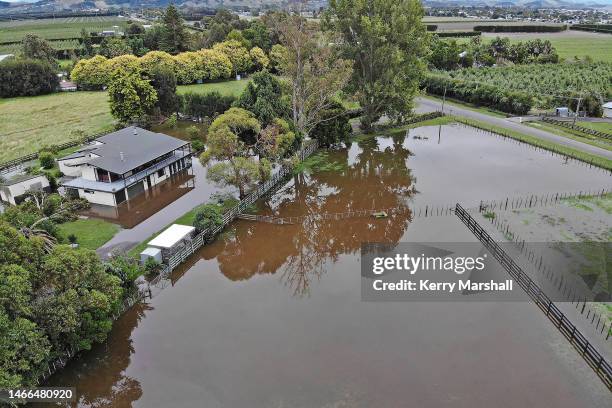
(151, 253)
(607, 109)
(14, 190)
(172, 238)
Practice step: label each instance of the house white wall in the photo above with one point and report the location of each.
(72, 167)
(10, 193)
(88, 172)
(607, 112)
(98, 197)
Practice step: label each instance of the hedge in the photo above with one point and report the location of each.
(432, 27)
(458, 34)
(517, 103)
(26, 77)
(520, 28)
(595, 28)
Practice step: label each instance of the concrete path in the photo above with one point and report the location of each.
(429, 105)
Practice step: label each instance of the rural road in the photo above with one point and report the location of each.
(429, 105)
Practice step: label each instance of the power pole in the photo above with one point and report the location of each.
(577, 111)
(443, 99)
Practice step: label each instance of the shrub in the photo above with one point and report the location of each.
(27, 78)
(334, 127)
(208, 216)
(520, 28)
(205, 105)
(72, 239)
(47, 160)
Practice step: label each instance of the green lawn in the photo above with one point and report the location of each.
(234, 88)
(599, 126)
(28, 124)
(91, 233)
(66, 27)
(572, 134)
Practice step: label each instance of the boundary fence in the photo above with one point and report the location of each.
(579, 128)
(560, 283)
(570, 331)
(534, 200)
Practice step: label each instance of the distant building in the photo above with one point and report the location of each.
(123, 164)
(607, 109)
(6, 56)
(67, 86)
(15, 189)
(562, 112)
(107, 33)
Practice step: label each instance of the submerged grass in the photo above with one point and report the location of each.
(320, 162)
(593, 159)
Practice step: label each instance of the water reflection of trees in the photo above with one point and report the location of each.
(371, 178)
(99, 375)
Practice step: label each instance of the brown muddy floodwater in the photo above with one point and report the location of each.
(271, 315)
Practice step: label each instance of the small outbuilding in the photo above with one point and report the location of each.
(151, 253)
(15, 189)
(562, 112)
(172, 239)
(607, 109)
(67, 86)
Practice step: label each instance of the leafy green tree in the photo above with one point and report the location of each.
(226, 146)
(137, 46)
(25, 77)
(259, 58)
(36, 48)
(278, 54)
(258, 35)
(152, 37)
(47, 161)
(208, 216)
(175, 37)
(131, 97)
(86, 42)
(113, 47)
(313, 69)
(164, 83)
(387, 42)
(135, 29)
(206, 105)
(334, 127)
(89, 73)
(236, 35)
(24, 352)
(264, 97)
(237, 54)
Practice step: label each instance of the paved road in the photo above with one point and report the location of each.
(428, 105)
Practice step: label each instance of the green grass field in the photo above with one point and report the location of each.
(572, 134)
(28, 124)
(599, 126)
(91, 233)
(58, 28)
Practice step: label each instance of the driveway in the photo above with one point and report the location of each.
(429, 105)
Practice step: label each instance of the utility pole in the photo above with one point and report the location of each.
(443, 99)
(577, 111)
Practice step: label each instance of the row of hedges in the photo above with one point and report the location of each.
(458, 34)
(595, 28)
(520, 28)
(517, 103)
(432, 27)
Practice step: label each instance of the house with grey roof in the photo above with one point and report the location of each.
(119, 166)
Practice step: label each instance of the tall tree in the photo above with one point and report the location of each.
(164, 83)
(36, 48)
(264, 97)
(387, 42)
(175, 37)
(131, 97)
(315, 72)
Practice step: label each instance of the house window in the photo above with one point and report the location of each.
(90, 192)
(160, 173)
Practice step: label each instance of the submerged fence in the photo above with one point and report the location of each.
(569, 330)
(582, 129)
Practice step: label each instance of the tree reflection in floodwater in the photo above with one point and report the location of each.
(367, 177)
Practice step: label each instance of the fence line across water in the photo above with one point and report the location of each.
(569, 330)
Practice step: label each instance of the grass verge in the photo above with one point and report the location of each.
(467, 105)
(572, 134)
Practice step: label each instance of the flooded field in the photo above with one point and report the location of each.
(271, 315)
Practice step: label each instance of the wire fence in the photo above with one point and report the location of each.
(563, 324)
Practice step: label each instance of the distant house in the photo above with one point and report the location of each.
(15, 189)
(107, 33)
(607, 109)
(123, 164)
(562, 112)
(67, 86)
(6, 56)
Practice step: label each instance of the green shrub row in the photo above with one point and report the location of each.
(520, 28)
(513, 102)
